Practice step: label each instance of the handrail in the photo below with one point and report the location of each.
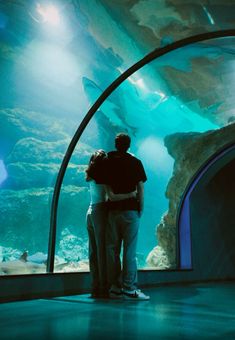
(145, 60)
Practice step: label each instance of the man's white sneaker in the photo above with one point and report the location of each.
(135, 295)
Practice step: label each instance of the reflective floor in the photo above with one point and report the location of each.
(198, 311)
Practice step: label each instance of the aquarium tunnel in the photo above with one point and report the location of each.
(73, 74)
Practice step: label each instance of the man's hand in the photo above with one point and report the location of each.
(140, 212)
(140, 197)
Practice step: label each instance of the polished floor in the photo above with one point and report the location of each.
(196, 311)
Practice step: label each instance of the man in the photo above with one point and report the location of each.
(125, 174)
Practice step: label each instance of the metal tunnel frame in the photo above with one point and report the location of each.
(148, 58)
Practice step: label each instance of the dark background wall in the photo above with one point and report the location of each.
(213, 223)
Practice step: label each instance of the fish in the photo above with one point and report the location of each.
(21, 266)
(110, 109)
(18, 267)
(36, 263)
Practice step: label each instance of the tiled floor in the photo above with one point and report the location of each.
(198, 311)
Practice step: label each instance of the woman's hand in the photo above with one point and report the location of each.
(119, 197)
(132, 194)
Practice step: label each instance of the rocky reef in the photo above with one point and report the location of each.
(33, 146)
(190, 151)
(32, 149)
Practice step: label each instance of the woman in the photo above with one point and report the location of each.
(97, 219)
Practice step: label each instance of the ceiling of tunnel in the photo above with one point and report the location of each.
(206, 84)
(200, 76)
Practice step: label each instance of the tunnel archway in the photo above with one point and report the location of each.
(212, 187)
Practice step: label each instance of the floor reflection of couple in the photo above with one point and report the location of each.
(116, 184)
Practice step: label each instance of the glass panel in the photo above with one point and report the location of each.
(166, 101)
(55, 60)
(45, 52)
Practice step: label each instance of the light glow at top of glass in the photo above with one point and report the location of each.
(49, 14)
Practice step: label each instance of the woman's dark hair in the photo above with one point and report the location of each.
(122, 142)
(94, 168)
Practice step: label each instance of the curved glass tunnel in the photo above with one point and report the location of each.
(52, 71)
(152, 118)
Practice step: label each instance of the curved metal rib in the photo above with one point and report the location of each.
(150, 57)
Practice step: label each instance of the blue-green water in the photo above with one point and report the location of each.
(53, 67)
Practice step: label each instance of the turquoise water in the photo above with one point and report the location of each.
(148, 118)
(53, 66)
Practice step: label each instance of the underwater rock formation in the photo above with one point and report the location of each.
(157, 258)
(32, 148)
(18, 123)
(196, 86)
(190, 151)
(35, 163)
(71, 247)
(31, 207)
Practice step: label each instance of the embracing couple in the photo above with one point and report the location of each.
(116, 184)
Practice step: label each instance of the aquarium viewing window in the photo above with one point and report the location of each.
(56, 66)
(150, 130)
